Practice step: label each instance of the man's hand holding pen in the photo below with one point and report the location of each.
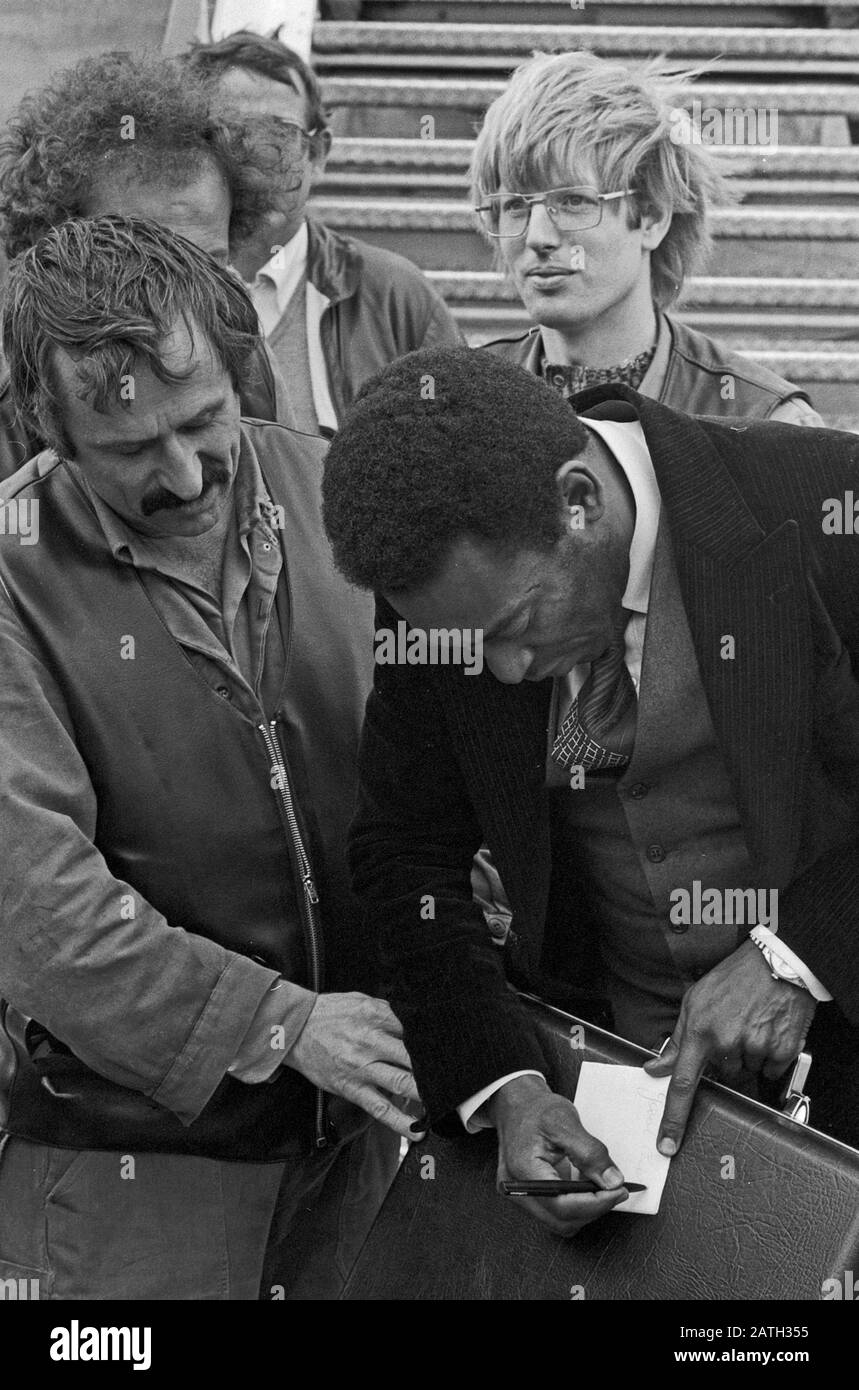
(540, 1136)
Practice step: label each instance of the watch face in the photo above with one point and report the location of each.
(777, 967)
(787, 976)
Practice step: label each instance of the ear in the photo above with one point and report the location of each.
(581, 493)
(654, 228)
(323, 149)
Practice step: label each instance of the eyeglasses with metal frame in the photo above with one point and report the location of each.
(571, 209)
(291, 137)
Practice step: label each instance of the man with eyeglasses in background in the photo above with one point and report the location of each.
(597, 206)
(334, 309)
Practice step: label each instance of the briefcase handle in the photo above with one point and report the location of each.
(795, 1103)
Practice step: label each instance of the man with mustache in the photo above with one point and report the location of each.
(189, 1051)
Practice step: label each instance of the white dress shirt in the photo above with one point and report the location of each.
(626, 441)
(273, 287)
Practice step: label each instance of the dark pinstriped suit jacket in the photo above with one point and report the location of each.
(449, 759)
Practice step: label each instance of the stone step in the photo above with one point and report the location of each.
(740, 328)
(653, 13)
(410, 66)
(474, 95)
(438, 169)
(737, 304)
(700, 289)
(429, 157)
(415, 184)
(797, 51)
(769, 241)
(746, 311)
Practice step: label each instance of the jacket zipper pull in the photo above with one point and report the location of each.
(310, 888)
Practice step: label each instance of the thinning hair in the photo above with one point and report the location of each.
(620, 123)
(444, 443)
(108, 291)
(141, 117)
(266, 56)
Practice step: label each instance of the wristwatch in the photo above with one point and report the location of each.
(778, 969)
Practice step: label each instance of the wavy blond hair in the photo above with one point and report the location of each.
(621, 122)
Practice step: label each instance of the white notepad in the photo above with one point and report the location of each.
(623, 1107)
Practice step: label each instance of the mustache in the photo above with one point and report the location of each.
(162, 500)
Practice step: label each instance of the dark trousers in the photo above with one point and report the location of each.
(88, 1224)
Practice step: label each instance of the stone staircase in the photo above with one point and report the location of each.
(652, 13)
(783, 281)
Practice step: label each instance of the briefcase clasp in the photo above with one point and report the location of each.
(795, 1103)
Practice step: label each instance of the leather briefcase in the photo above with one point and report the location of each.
(756, 1206)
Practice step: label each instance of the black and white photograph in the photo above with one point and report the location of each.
(429, 674)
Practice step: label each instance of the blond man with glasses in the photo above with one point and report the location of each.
(598, 213)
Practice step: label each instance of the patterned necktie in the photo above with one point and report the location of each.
(599, 729)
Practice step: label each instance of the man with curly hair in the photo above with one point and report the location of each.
(595, 197)
(334, 309)
(137, 136)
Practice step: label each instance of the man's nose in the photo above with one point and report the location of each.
(507, 663)
(541, 229)
(180, 471)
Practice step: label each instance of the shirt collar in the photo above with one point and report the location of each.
(625, 439)
(286, 269)
(251, 503)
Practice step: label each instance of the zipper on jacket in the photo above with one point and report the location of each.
(309, 897)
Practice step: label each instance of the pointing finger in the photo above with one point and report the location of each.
(681, 1093)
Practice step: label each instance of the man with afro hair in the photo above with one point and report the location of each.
(667, 699)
